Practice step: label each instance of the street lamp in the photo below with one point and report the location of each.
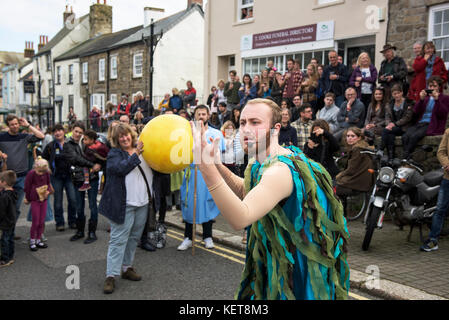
(154, 40)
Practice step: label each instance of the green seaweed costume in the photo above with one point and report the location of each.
(297, 250)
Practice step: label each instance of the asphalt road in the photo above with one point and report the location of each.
(168, 274)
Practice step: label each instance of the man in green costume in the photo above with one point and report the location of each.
(297, 234)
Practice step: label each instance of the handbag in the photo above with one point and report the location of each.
(151, 215)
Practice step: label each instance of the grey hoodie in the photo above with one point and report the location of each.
(330, 115)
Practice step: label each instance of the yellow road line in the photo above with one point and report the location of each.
(216, 247)
(353, 295)
(211, 251)
(356, 296)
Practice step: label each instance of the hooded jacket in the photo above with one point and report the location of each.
(356, 175)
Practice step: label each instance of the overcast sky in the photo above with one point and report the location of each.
(26, 20)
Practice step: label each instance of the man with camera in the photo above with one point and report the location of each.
(392, 70)
(431, 114)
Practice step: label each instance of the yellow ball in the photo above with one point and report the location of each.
(168, 143)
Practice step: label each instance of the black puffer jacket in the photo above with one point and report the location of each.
(74, 155)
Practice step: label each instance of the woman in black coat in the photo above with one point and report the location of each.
(321, 146)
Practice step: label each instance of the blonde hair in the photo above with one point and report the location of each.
(41, 164)
(111, 129)
(226, 124)
(359, 59)
(123, 129)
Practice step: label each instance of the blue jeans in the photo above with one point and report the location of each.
(7, 245)
(124, 238)
(92, 196)
(440, 213)
(19, 188)
(59, 184)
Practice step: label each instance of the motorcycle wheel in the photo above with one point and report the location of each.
(371, 224)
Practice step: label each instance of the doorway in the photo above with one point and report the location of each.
(354, 52)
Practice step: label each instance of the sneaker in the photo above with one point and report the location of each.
(109, 285)
(130, 274)
(6, 263)
(209, 243)
(73, 226)
(43, 239)
(60, 228)
(429, 245)
(187, 243)
(77, 236)
(84, 187)
(41, 245)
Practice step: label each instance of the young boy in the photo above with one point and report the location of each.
(95, 152)
(8, 199)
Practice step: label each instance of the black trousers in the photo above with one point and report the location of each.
(207, 230)
(412, 136)
(388, 137)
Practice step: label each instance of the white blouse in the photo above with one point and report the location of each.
(136, 190)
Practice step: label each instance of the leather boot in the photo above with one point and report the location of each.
(80, 225)
(91, 236)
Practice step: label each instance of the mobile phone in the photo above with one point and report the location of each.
(429, 92)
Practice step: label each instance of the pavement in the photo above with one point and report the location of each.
(391, 269)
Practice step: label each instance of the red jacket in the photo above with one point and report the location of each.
(120, 108)
(419, 81)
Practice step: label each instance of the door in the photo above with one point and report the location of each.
(354, 52)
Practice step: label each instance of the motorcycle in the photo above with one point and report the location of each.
(402, 191)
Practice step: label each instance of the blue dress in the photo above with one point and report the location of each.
(206, 209)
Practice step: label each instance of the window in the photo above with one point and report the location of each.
(97, 99)
(50, 86)
(245, 10)
(71, 101)
(114, 67)
(114, 99)
(138, 65)
(71, 74)
(101, 70)
(255, 66)
(58, 75)
(85, 72)
(48, 62)
(439, 30)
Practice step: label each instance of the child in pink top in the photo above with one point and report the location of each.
(37, 189)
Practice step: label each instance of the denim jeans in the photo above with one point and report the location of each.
(92, 197)
(59, 184)
(19, 188)
(7, 245)
(440, 213)
(124, 239)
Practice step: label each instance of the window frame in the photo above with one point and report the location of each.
(241, 6)
(71, 70)
(431, 30)
(101, 69)
(85, 73)
(58, 75)
(114, 99)
(112, 69)
(135, 74)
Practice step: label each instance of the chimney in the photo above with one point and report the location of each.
(41, 43)
(191, 2)
(29, 50)
(152, 14)
(68, 15)
(100, 19)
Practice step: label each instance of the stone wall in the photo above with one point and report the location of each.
(100, 19)
(408, 23)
